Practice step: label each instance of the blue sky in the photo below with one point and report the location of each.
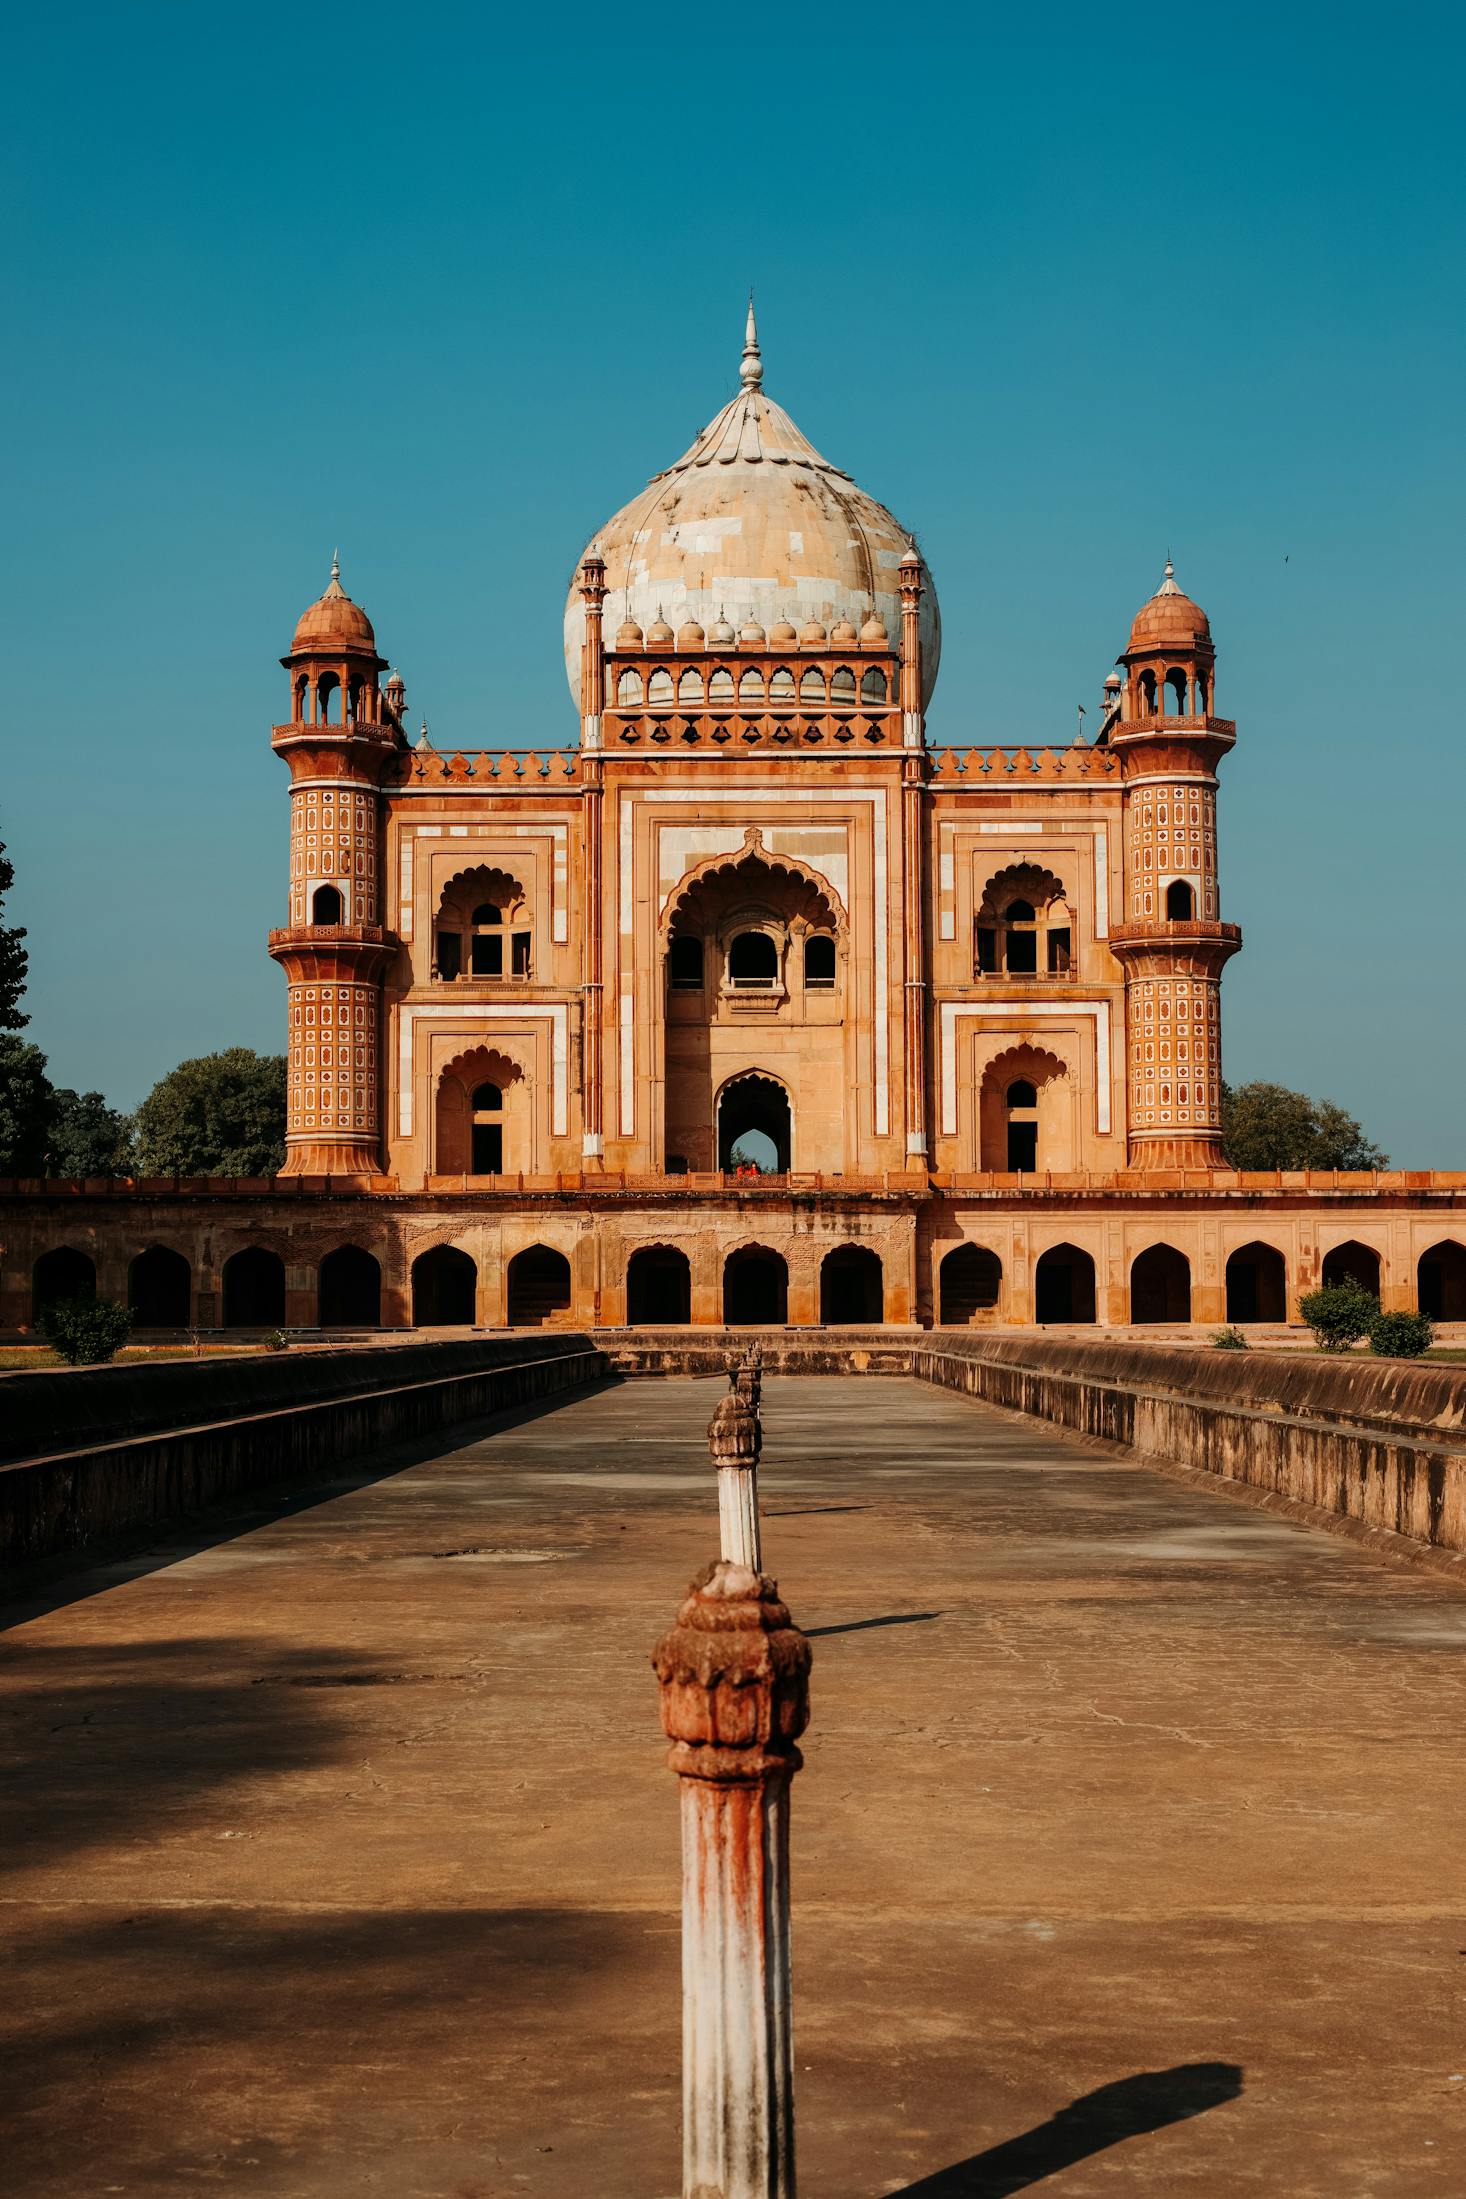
(1063, 287)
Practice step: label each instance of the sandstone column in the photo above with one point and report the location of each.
(735, 1440)
(734, 1680)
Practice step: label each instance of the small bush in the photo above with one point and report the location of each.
(1401, 1335)
(1230, 1340)
(1339, 1315)
(276, 1340)
(86, 1331)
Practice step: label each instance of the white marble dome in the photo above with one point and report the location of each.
(752, 525)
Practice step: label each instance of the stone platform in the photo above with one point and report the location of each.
(341, 1859)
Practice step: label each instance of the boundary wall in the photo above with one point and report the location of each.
(1382, 1442)
(106, 1452)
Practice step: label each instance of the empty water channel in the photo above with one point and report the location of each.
(340, 1854)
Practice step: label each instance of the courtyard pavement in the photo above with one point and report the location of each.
(340, 1857)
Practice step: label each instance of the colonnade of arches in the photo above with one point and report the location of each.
(754, 1285)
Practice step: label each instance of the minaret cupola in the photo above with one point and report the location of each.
(333, 662)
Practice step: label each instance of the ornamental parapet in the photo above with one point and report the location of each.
(511, 770)
(984, 766)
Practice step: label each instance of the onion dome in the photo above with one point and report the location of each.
(753, 518)
(782, 632)
(722, 635)
(334, 625)
(629, 635)
(1169, 621)
(813, 632)
(874, 634)
(842, 631)
(659, 631)
(752, 633)
(691, 635)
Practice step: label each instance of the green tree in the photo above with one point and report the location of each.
(25, 1107)
(14, 961)
(87, 1137)
(1267, 1126)
(219, 1115)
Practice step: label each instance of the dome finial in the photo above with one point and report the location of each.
(1168, 586)
(336, 564)
(752, 370)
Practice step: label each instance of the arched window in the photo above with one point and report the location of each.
(1180, 902)
(819, 963)
(842, 688)
(328, 699)
(326, 905)
(487, 948)
(684, 963)
(720, 687)
(755, 1127)
(873, 686)
(751, 687)
(659, 688)
(1147, 694)
(1021, 920)
(812, 686)
(781, 685)
(629, 691)
(689, 690)
(487, 1158)
(302, 702)
(753, 962)
(1022, 1094)
(1201, 695)
(1176, 693)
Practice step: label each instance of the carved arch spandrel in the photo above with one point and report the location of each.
(783, 870)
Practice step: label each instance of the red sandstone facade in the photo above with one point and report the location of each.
(964, 1007)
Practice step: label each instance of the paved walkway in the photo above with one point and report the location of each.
(340, 1857)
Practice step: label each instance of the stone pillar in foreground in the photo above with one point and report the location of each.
(734, 1680)
(735, 1440)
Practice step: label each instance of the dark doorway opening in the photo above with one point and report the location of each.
(1022, 1147)
(157, 1289)
(1160, 1285)
(968, 1282)
(350, 1290)
(1441, 1281)
(1063, 1285)
(658, 1287)
(444, 1284)
(64, 1273)
(755, 1289)
(254, 1289)
(539, 1287)
(1257, 1284)
(1352, 1263)
(852, 1286)
(754, 1125)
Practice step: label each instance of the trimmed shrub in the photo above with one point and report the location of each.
(1230, 1340)
(86, 1331)
(275, 1340)
(1401, 1335)
(1339, 1315)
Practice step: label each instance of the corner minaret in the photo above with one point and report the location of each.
(1171, 939)
(338, 742)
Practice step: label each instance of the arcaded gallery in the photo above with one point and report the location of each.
(748, 1004)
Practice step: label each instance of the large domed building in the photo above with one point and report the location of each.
(749, 1004)
(752, 528)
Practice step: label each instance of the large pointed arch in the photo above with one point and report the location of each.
(818, 902)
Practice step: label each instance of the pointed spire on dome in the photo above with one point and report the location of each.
(1168, 586)
(751, 373)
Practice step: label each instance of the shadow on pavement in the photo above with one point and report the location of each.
(1126, 2109)
(859, 1626)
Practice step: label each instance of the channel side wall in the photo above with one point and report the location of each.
(1382, 1442)
(292, 1422)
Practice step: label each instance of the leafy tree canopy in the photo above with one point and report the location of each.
(220, 1115)
(87, 1137)
(14, 960)
(1267, 1126)
(25, 1107)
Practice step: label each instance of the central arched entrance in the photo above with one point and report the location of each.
(539, 1287)
(851, 1286)
(755, 1127)
(658, 1287)
(1063, 1285)
(1160, 1285)
(444, 1282)
(755, 1288)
